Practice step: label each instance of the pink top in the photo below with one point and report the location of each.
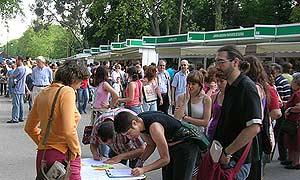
(136, 100)
(101, 97)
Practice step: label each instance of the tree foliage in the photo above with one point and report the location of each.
(9, 8)
(70, 14)
(55, 42)
(95, 22)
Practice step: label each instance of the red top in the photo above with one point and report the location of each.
(295, 99)
(84, 84)
(137, 93)
(274, 99)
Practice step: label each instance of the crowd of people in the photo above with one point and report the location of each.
(239, 101)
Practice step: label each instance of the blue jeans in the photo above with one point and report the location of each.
(82, 99)
(244, 171)
(104, 150)
(17, 107)
(151, 106)
(137, 109)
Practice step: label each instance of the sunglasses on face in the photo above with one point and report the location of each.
(221, 61)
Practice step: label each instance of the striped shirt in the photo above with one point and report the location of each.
(120, 143)
(283, 87)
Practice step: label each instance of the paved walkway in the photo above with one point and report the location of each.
(17, 151)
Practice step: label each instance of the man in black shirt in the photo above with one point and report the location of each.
(241, 115)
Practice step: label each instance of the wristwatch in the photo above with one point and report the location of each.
(226, 154)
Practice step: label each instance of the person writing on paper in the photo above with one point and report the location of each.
(63, 137)
(177, 153)
(121, 147)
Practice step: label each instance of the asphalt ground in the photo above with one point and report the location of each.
(17, 151)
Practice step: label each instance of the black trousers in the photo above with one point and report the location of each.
(279, 137)
(3, 88)
(183, 157)
(165, 107)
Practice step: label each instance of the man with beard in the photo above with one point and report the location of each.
(241, 115)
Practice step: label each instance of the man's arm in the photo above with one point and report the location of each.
(94, 150)
(243, 138)
(127, 155)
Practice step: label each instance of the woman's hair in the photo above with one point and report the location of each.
(106, 130)
(133, 73)
(101, 75)
(195, 77)
(256, 71)
(211, 74)
(296, 79)
(150, 73)
(270, 73)
(70, 72)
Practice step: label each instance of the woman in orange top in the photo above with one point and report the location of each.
(63, 136)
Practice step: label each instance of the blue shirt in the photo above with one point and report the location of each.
(10, 79)
(42, 76)
(20, 76)
(179, 82)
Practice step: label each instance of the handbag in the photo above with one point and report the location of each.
(208, 170)
(191, 132)
(149, 93)
(268, 143)
(290, 127)
(87, 132)
(58, 170)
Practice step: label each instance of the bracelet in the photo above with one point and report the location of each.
(226, 154)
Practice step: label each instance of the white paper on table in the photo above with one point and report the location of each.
(121, 173)
(90, 162)
(216, 151)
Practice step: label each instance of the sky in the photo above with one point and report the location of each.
(18, 25)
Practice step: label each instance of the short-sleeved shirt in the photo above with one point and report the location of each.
(179, 82)
(169, 123)
(273, 103)
(283, 87)
(42, 76)
(121, 143)
(163, 81)
(20, 73)
(241, 108)
(295, 99)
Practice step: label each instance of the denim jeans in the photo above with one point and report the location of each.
(151, 106)
(104, 150)
(17, 106)
(137, 109)
(244, 171)
(82, 99)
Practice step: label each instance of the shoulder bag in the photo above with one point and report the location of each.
(209, 170)
(58, 170)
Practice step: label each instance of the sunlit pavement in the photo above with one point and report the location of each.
(17, 151)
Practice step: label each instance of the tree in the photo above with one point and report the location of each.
(10, 8)
(55, 42)
(70, 14)
(295, 15)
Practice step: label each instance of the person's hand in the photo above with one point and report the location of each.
(97, 157)
(113, 160)
(173, 103)
(224, 160)
(161, 102)
(137, 171)
(287, 112)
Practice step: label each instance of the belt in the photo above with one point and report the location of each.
(41, 85)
